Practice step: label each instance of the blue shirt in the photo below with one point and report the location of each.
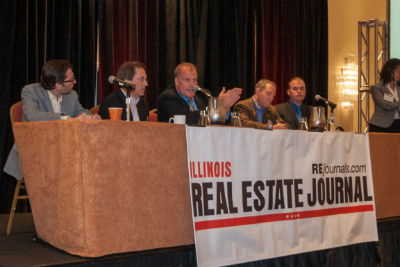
(260, 111)
(297, 110)
(227, 115)
(187, 100)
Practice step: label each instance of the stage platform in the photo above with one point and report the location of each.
(19, 249)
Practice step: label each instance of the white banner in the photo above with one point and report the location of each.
(262, 194)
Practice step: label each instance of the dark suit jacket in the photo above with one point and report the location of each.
(170, 103)
(248, 114)
(384, 110)
(286, 111)
(117, 99)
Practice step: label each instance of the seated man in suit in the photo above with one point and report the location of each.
(181, 99)
(132, 72)
(257, 111)
(292, 110)
(51, 99)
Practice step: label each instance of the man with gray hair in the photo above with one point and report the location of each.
(257, 111)
(181, 98)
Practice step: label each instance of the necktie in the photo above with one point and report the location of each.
(191, 106)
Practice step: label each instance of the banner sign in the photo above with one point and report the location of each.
(260, 194)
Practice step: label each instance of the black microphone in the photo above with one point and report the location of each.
(120, 83)
(202, 90)
(320, 98)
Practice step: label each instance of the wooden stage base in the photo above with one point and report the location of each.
(19, 249)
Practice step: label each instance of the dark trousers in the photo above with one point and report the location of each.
(394, 128)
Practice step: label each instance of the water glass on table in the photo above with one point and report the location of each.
(303, 125)
(204, 118)
(235, 119)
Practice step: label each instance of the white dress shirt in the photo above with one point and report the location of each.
(134, 111)
(396, 97)
(56, 103)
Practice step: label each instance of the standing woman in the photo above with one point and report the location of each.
(386, 95)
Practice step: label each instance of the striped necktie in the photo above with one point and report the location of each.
(191, 106)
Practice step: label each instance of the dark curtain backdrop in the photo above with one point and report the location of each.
(292, 40)
(129, 31)
(33, 32)
(217, 36)
(232, 43)
(312, 48)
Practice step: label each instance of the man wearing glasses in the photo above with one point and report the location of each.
(131, 72)
(51, 99)
(54, 98)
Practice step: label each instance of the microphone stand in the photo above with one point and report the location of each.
(128, 104)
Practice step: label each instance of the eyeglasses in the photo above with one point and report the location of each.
(69, 81)
(142, 79)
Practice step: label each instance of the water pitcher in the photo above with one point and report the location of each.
(317, 119)
(216, 110)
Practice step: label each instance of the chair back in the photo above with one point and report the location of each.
(153, 116)
(16, 112)
(95, 110)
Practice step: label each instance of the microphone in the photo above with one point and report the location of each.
(320, 98)
(120, 83)
(202, 90)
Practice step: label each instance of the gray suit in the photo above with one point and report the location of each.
(384, 110)
(36, 106)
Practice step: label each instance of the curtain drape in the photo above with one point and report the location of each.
(34, 32)
(232, 43)
(292, 40)
(216, 36)
(129, 32)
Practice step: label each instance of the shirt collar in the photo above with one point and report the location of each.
(133, 99)
(388, 86)
(294, 105)
(53, 98)
(184, 98)
(257, 106)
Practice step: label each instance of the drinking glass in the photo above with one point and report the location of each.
(235, 119)
(204, 118)
(303, 125)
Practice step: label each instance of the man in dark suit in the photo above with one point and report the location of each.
(181, 99)
(292, 110)
(132, 72)
(257, 111)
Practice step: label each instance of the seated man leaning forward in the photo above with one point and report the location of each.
(292, 110)
(181, 99)
(257, 111)
(51, 99)
(131, 72)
